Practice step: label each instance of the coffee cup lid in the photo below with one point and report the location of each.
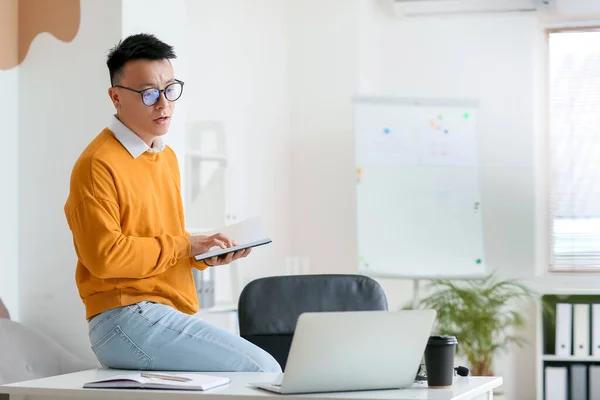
(442, 340)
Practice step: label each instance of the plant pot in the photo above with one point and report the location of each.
(482, 369)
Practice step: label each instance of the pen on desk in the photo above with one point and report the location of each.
(165, 377)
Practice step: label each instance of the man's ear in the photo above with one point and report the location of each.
(114, 97)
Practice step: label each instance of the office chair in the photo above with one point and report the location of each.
(268, 308)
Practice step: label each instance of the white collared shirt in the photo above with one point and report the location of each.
(132, 142)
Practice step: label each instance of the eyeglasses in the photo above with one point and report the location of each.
(150, 96)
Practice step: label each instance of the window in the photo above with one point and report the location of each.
(574, 147)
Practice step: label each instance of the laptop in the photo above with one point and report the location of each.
(354, 350)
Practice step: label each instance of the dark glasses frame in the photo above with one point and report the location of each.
(160, 91)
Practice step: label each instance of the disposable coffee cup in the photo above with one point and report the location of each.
(439, 361)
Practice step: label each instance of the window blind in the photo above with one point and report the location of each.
(574, 145)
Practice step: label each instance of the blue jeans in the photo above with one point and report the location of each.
(150, 336)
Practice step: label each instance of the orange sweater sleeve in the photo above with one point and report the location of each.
(201, 265)
(107, 253)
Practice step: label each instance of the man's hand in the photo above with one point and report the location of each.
(227, 258)
(201, 244)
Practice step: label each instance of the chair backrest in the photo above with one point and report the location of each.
(268, 308)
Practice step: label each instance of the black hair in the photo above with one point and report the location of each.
(142, 46)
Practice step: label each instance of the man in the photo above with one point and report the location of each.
(135, 258)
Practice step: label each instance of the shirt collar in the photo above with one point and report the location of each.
(132, 142)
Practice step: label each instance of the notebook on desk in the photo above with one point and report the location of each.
(188, 381)
(248, 233)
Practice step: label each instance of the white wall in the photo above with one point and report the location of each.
(238, 74)
(578, 7)
(141, 16)
(323, 78)
(9, 205)
(63, 105)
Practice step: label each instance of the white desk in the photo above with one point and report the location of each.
(69, 386)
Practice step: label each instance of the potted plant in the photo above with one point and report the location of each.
(483, 314)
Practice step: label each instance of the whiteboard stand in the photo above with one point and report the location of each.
(415, 302)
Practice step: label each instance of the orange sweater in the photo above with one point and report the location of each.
(126, 217)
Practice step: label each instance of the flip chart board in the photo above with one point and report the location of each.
(418, 193)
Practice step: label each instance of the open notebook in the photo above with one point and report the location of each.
(248, 233)
(192, 381)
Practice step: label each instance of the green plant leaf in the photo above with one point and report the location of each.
(483, 314)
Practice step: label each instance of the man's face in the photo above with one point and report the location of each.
(146, 121)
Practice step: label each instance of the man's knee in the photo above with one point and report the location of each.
(269, 364)
(264, 361)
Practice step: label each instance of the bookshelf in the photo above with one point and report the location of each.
(576, 369)
(205, 175)
(206, 204)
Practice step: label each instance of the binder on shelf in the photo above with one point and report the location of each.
(594, 382)
(205, 287)
(578, 382)
(581, 329)
(596, 330)
(564, 313)
(555, 383)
